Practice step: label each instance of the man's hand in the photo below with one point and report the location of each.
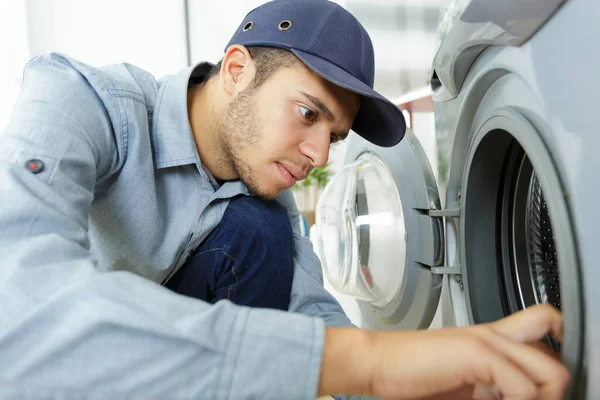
(502, 359)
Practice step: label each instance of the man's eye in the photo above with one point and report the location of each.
(308, 114)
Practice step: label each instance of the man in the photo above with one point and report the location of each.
(113, 184)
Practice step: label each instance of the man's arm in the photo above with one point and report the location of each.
(309, 297)
(67, 330)
(501, 359)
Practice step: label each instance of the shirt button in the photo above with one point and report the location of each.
(36, 166)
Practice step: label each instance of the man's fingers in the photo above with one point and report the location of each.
(492, 368)
(462, 393)
(544, 348)
(542, 367)
(531, 324)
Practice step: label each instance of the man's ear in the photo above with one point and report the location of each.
(237, 69)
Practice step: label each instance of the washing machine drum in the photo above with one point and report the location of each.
(542, 268)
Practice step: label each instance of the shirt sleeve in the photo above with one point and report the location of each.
(309, 296)
(70, 331)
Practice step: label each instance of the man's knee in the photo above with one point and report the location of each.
(264, 221)
(260, 240)
(248, 258)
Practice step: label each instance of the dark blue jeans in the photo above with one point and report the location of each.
(248, 258)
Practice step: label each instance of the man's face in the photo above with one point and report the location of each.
(276, 134)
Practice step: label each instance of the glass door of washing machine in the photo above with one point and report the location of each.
(378, 237)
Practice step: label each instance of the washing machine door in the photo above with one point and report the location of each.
(377, 237)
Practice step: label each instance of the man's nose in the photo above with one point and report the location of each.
(316, 148)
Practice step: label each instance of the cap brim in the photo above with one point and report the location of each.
(378, 120)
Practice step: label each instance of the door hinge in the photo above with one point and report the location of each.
(450, 270)
(454, 270)
(451, 212)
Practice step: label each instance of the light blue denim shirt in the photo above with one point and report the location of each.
(85, 243)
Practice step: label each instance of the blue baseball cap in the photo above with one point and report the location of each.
(332, 43)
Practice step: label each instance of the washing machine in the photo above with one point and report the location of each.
(514, 222)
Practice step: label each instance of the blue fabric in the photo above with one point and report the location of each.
(122, 202)
(246, 259)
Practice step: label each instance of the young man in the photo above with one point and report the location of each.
(114, 186)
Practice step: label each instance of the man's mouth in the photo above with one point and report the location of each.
(291, 175)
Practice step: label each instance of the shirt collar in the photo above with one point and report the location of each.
(174, 142)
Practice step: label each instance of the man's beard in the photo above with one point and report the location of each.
(238, 133)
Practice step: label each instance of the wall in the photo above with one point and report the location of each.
(149, 34)
(13, 47)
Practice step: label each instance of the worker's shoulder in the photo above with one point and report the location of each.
(115, 80)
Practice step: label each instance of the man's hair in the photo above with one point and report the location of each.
(267, 60)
